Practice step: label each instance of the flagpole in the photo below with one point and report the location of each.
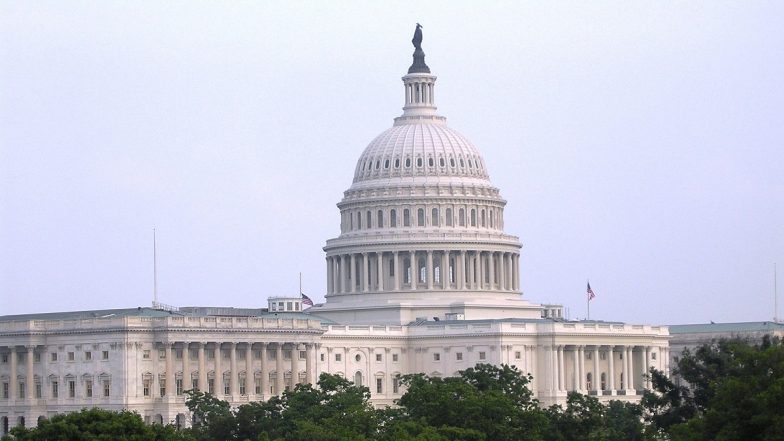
(300, 283)
(154, 269)
(775, 297)
(588, 301)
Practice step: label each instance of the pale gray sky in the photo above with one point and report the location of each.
(639, 144)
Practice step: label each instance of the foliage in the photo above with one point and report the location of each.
(97, 425)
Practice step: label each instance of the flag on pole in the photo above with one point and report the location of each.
(306, 300)
(590, 293)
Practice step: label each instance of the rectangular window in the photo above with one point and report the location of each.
(162, 387)
(37, 357)
(53, 356)
(395, 385)
(55, 389)
(4, 358)
(379, 385)
(461, 217)
(226, 388)
(378, 357)
(393, 218)
(653, 356)
(5, 390)
(338, 357)
(71, 356)
(322, 357)
(602, 356)
(178, 386)
(242, 386)
(421, 217)
(481, 355)
(394, 357)
(258, 386)
(194, 384)
(146, 354)
(146, 388)
(518, 355)
(406, 217)
(71, 388)
(21, 389)
(436, 357)
(107, 388)
(210, 353)
(459, 356)
(448, 217)
(161, 353)
(88, 356)
(241, 355)
(211, 385)
(287, 354)
(88, 388)
(38, 390)
(303, 355)
(257, 355)
(104, 355)
(589, 355)
(178, 354)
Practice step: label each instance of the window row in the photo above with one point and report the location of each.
(461, 217)
(358, 357)
(193, 354)
(469, 164)
(90, 388)
(21, 357)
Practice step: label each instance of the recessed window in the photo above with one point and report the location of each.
(459, 356)
(88, 356)
(71, 356)
(53, 356)
(482, 355)
(380, 219)
(406, 217)
(359, 221)
(105, 355)
(441, 162)
(434, 217)
(462, 164)
(397, 163)
(517, 355)
(367, 220)
(379, 385)
(653, 356)
(378, 164)
(408, 162)
(436, 357)
(449, 217)
(452, 162)
(394, 357)
(461, 217)
(419, 162)
(378, 357)
(338, 357)
(470, 164)
(386, 163)
(421, 217)
(430, 162)
(393, 218)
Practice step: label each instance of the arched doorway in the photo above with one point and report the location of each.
(358, 379)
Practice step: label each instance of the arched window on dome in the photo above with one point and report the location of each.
(422, 267)
(441, 162)
(408, 162)
(393, 218)
(451, 270)
(378, 164)
(462, 163)
(419, 162)
(392, 267)
(430, 161)
(434, 217)
(351, 221)
(437, 273)
(452, 162)
(449, 220)
(386, 163)
(484, 221)
(397, 162)
(367, 220)
(380, 219)
(492, 220)
(359, 220)
(473, 217)
(406, 217)
(421, 217)
(461, 217)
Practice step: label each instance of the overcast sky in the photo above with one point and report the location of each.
(639, 144)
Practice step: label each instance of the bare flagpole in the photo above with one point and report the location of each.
(300, 283)
(775, 296)
(154, 270)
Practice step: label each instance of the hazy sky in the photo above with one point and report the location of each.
(639, 144)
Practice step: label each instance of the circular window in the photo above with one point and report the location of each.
(397, 163)
(358, 357)
(419, 162)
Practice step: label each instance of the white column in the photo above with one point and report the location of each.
(581, 363)
(294, 365)
(202, 368)
(576, 369)
(396, 269)
(264, 372)
(279, 374)
(491, 269)
(309, 353)
(329, 275)
(461, 270)
(625, 367)
(414, 270)
(481, 272)
(249, 376)
(170, 354)
(647, 380)
(471, 271)
(429, 272)
(234, 378)
(353, 271)
(13, 380)
(344, 273)
(445, 269)
(611, 383)
(561, 369)
(502, 272)
(30, 374)
(218, 380)
(365, 272)
(380, 270)
(186, 366)
(596, 374)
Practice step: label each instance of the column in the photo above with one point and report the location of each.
(365, 272)
(611, 382)
(516, 272)
(460, 270)
(502, 272)
(396, 270)
(429, 273)
(329, 275)
(279, 379)
(561, 368)
(309, 363)
(597, 376)
(218, 380)
(632, 374)
(249, 374)
(445, 270)
(553, 353)
(380, 270)
(353, 271)
(186, 369)
(576, 369)
(294, 365)
(647, 380)
(14, 394)
(471, 272)
(343, 273)
(414, 270)
(491, 269)
(336, 274)
(30, 374)
(581, 364)
(234, 378)
(170, 354)
(202, 368)
(481, 270)
(264, 372)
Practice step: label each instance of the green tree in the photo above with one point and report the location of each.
(98, 425)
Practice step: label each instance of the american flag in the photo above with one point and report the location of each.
(306, 300)
(591, 295)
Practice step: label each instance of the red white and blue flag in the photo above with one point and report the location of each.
(306, 300)
(590, 293)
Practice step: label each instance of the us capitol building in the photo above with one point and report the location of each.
(422, 278)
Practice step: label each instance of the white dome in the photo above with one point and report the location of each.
(419, 149)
